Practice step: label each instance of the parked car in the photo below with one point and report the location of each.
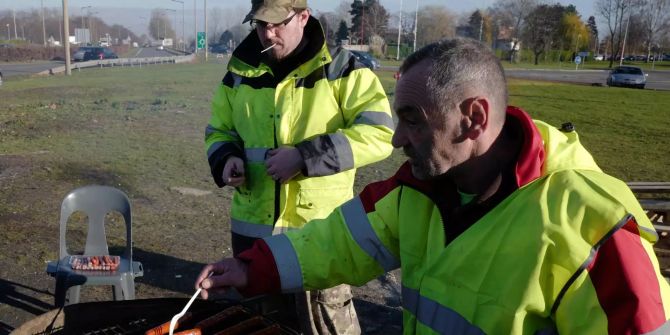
(598, 57)
(367, 59)
(93, 53)
(627, 76)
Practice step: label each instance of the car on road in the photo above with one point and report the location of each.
(367, 59)
(160, 47)
(93, 53)
(627, 76)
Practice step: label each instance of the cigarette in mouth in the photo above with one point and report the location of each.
(268, 48)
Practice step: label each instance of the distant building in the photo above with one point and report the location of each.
(82, 36)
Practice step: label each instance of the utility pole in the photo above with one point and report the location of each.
(623, 47)
(66, 29)
(183, 48)
(206, 34)
(397, 55)
(416, 23)
(44, 31)
(16, 37)
(481, 25)
(195, 28)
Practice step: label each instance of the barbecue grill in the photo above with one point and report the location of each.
(128, 317)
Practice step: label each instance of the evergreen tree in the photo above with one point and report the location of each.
(342, 32)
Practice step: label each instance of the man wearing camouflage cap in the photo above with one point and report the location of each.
(290, 123)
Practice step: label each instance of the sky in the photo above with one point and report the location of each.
(131, 13)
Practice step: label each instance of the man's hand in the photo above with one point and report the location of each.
(233, 172)
(230, 272)
(284, 163)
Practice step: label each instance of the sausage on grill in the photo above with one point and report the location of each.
(228, 314)
(165, 328)
(269, 330)
(244, 327)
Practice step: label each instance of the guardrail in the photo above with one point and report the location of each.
(122, 62)
(654, 198)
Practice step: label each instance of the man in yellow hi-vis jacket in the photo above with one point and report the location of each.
(501, 224)
(291, 122)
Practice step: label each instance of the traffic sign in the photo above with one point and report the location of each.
(578, 60)
(201, 40)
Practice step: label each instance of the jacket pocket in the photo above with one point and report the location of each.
(319, 203)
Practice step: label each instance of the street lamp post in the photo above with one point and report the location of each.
(66, 30)
(183, 47)
(397, 55)
(416, 23)
(195, 28)
(44, 31)
(8, 37)
(81, 13)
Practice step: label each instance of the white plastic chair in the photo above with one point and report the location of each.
(96, 202)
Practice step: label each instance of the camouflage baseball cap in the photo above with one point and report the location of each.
(273, 11)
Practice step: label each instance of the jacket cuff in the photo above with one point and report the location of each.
(326, 155)
(217, 160)
(262, 273)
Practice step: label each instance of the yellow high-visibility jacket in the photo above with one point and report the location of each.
(330, 107)
(569, 251)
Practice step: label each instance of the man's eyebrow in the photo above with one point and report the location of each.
(405, 109)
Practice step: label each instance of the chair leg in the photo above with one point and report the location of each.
(118, 291)
(73, 294)
(60, 291)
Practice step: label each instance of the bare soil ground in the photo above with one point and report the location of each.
(140, 131)
(27, 291)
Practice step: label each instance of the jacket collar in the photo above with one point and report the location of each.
(529, 165)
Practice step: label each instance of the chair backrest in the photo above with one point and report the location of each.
(96, 201)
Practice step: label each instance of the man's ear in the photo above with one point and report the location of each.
(475, 111)
(304, 17)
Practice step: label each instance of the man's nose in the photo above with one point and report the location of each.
(399, 140)
(268, 33)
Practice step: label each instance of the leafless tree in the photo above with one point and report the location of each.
(614, 12)
(513, 13)
(654, 14)
(434, 24)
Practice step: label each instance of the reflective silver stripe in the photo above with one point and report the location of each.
(439, 318)
(345, 157)
(286, 259)
(652, 232)
(375, 119)
(281, 230)
(214, 147)
(256, 155)
(250, 229)
(662, 330)
(360, 228)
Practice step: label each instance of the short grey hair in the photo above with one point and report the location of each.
(458, 64)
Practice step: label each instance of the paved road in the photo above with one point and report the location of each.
(9, 70)
(659, 80)
(154, 52)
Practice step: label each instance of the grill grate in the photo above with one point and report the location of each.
(132, 317)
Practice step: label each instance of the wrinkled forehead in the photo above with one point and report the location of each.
(411, 90)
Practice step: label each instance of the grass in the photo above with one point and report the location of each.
(141, 130)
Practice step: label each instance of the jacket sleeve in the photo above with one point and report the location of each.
(221, 139)
(366, 137)
(353, 245)
(621, 290)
